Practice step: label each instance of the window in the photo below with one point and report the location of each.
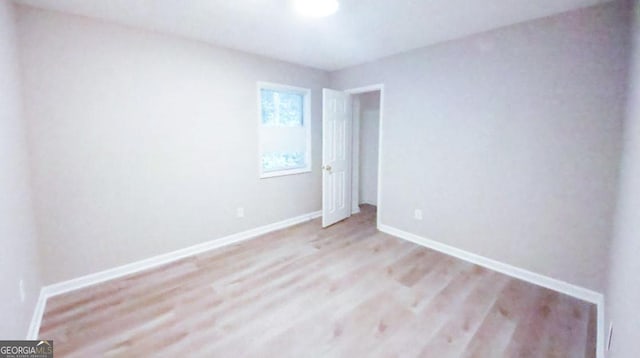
(285, 130)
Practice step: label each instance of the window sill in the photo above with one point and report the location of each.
(280, 173)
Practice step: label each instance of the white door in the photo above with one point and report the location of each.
(336, 156)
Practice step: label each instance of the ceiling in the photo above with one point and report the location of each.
(359, 32)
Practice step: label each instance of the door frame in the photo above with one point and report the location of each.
(355, 161)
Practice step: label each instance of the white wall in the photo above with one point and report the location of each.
(508, 141)
(369, 127)
(19, 251)
(623, 293)
(144, 143)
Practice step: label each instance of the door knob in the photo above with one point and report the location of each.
(326, 167)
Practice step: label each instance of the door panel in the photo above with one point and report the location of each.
(336, 156)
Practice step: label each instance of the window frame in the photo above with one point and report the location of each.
(306, 124)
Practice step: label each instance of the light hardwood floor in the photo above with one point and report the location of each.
(346, 291)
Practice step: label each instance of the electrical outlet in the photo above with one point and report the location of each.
(417, 214)
(23, 294)
(610, 336)
(240, 212)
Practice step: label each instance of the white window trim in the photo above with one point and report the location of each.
(306, 120)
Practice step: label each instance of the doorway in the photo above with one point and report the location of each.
(366, 150)
(351, 151)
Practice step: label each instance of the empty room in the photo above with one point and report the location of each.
(319, 178)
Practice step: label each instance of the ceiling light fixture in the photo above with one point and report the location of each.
(316, 8)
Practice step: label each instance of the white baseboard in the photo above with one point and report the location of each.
(516, 272)
(36, 320)
(525, 275)
(110, 274)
